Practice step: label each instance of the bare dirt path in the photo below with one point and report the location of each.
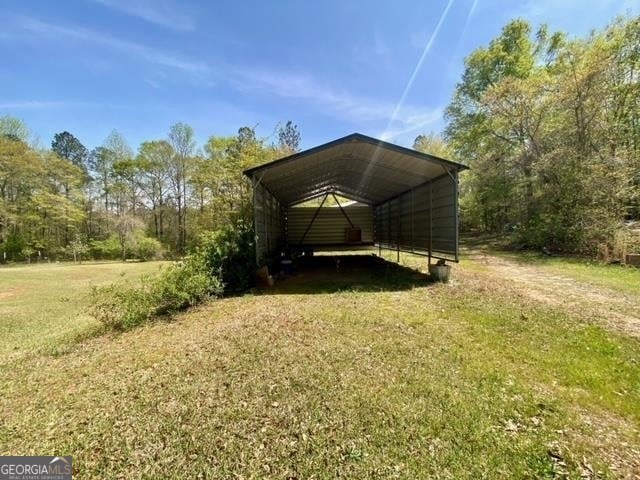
(614, 309)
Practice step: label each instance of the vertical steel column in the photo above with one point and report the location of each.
(388, 224)
(430, 223)
(398, 228)
(264, 219)
(255, 219)
(457, 215)
(285, 227)
(378, 227)
(412, 227)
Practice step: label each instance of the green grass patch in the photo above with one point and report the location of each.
(375, 373)
(43, 306)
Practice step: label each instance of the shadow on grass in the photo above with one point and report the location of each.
(365, 273)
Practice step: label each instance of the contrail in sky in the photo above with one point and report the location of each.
(400, 103)
(427, 47)
(469, 15)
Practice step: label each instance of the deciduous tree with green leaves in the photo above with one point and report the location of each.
(538, 118)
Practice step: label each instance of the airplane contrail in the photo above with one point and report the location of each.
(427, 47)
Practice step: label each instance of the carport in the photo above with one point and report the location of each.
(404, 200)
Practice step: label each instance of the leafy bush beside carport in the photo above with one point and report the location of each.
(223, 261)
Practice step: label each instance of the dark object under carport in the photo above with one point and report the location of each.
(406, 200)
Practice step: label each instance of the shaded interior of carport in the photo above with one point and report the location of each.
(404, 200)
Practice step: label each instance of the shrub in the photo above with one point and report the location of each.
(223, 261)
(137, 246)
(229, 254)
(121, 306)
(13, 245)
(108, 249)
(147, 248)
(27, 252)
(183, 285)
(77, 250)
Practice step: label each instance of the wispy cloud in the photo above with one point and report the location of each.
(375, 53)
(52, 104)
(131, 49)
(165, 13)
(338, 103)
(537, 9)
(380, 47)
(30, 105)
(411, 124)
(152, 83)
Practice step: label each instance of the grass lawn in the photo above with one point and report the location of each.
(42, 306)
(356, 370)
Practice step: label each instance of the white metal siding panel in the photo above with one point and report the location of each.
(329, 226)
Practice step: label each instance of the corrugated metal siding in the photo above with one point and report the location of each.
(268, 223)
(421, 220)
(444, 215)
(329, 226)
(360, 167)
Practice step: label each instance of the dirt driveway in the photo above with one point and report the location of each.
(616, 310)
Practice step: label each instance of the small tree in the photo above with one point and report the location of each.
(126, 228)
(289, 138)
(432, 144)
(27, 252)
(70, 148)
(78, 249)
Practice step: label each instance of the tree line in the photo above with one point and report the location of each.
(68, 201)
(550, 127)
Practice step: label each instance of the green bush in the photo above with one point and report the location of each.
(223, 261)
(121, 307)
(138, 246)
(229, 254)
(183, 285)
(147, 248)
(13, 245)
(108, 249)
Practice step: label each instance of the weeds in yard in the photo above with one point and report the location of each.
(121, 306)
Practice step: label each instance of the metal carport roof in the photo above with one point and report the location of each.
(357, 166)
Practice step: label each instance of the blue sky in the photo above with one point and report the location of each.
(334, 67)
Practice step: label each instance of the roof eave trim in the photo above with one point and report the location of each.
(356, 137)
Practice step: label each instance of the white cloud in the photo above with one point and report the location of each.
(411, 124)
(366, 112)
(338, 103)
(134, 50)
(548, 9)
(30, 105)
(375, 53)
(152, 83)
(380, 47)
(165, 13)
(577, 17)
(52, 104)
